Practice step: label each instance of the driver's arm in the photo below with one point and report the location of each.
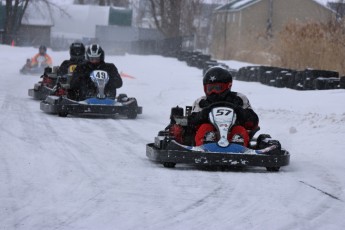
(199, 115)
(76, 77)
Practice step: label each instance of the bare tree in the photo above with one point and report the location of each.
(14, 14)
(338, 7)
(166, 15)
(175, 17)
(15, 10)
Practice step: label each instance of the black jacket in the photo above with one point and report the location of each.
(246, 115)
(84, 87)
(68, 66)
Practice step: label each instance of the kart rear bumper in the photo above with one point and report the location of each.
(58, 105)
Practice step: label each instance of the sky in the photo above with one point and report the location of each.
(93, 173)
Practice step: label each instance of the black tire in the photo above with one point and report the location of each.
(132, 112)
(259, 143)
(62, 114)
(132, 115)
(169, 164)
(272, 169)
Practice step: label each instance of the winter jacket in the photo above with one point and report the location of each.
(245, 114)
(41, 60)
(68, 66)
(84, 87)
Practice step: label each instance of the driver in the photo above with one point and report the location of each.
(217, 83)
(77, 56)
(41, 59)
(81, 85)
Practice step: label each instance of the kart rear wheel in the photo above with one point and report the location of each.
(169, 164)
(273, 169)
(132, 115)
(62, 114)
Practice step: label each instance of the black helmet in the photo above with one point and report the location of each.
(95, 51)
(217, 80)
(77, 51)
(42, 49)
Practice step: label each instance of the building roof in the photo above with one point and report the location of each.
(236, 5)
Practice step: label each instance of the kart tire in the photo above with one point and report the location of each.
(169, 164)
(62, 114)
(259, 143)
(132, 113)
(272, 169)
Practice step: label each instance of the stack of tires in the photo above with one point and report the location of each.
(308, 79)
(342, 82)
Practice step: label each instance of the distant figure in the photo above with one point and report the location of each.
(41, 59)
(37, 63)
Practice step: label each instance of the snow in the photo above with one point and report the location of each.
(83, 173)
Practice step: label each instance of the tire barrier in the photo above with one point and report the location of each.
(308, 79)
(201, 61)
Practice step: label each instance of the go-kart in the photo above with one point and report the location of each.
(98, 104)
(32, 70)
(262, 151)
(51, 84)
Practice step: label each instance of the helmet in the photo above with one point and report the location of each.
(95, 53)
(217, 80)
(77, 51)
(42, 50)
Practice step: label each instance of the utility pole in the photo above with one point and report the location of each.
(270, 19)
(225, 30)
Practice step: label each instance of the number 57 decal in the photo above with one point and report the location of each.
(221, 112)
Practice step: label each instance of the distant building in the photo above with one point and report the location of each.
(36, 26)
(79, 22)
(240, 27)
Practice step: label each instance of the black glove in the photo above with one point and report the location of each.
(198, 118)
(204, 113)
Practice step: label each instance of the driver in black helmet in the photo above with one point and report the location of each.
(217, 83)
(77, 56)
(81, 82)
(67, 67)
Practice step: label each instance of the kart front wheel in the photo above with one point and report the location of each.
(169, 164)
(273, 169)
(63, 114)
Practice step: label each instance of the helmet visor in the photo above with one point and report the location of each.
(94, 59)
(216, 88)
